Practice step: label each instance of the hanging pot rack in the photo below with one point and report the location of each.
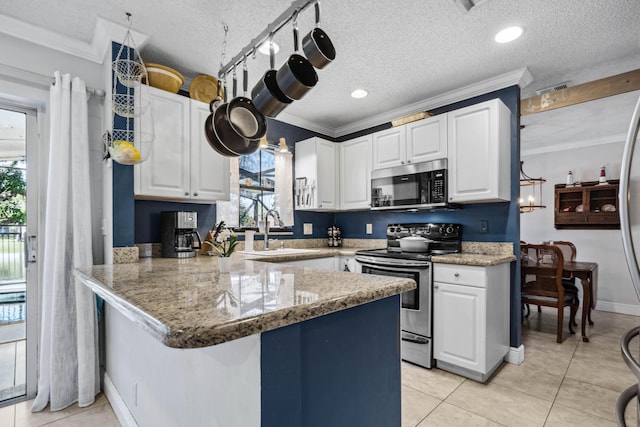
(292, 11)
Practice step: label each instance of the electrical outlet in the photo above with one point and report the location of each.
(369, 229)
(308, 228)
(484, 226)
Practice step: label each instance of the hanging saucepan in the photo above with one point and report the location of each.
(317, 45)
(209, 132)
(297, 75)
(239, 125)
(267, 96)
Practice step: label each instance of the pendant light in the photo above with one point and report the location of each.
(534, 185)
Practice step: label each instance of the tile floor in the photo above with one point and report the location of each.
(568, 384)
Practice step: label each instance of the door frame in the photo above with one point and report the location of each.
(32, 273)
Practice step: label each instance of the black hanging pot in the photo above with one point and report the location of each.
(237, 125)
(267, 95)
(210, 133)
(317, 45)
(296, 76)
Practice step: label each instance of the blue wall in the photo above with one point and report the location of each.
(342, 369)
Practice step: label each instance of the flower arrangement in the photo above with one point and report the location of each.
(223, 241)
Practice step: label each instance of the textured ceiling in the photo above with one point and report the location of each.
(401, 51)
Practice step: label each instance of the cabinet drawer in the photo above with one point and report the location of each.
(460, 274)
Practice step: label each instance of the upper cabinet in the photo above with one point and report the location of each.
(389, 148)
(480, 153)
(420, 141)
(355, 173)
(182, 166)
(316, 172)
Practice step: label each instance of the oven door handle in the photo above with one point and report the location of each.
(377, 263)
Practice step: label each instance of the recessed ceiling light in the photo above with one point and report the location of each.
(264, 48)
(359, 93)
(508, 34)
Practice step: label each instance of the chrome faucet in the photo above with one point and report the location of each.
(276, 216)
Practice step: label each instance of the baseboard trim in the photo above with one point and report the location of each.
(616, 307)
(119, 408)
(515, 355)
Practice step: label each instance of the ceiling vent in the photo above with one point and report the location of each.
(555, 87)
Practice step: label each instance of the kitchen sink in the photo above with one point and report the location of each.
(277, 252)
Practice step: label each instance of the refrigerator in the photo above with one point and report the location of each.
(630, 227)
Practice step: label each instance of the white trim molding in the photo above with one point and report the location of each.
(105, 32)
(119, 408)
(515, 355)
(521, 77)
(616, 307)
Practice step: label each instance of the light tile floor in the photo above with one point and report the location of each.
(568, 384)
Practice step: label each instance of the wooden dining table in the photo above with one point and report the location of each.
(587, 272)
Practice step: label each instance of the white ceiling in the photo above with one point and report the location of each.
(401, 51)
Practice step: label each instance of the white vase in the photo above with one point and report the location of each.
(224, 263)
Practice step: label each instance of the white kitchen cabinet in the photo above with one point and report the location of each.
(319, 263)
(427, 139)
(181, 164)
(479, 153)
(316, 160)
(470, 318)
(419, 141)
(389, 148)
(355, 173)
(347, 263)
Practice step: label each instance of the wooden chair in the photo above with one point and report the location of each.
(541, 282)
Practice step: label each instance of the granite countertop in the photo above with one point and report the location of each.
(188, 303)
(481, 260)
(482, 254)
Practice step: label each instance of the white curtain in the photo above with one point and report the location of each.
(68, 363)
(284, 187)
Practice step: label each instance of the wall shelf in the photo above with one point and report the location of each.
(586, 207)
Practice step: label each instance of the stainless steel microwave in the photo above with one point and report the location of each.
(412, 186)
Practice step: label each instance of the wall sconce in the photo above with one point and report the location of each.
(535, 197)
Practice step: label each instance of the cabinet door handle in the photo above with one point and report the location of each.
(320, 205)
(402, 162)
(186, 193)
(408, 161)
(435, 286)
(195, 194)
(456, 275)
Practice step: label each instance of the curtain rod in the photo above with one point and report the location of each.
(40, 79)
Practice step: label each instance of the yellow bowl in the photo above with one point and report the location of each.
(164, 78)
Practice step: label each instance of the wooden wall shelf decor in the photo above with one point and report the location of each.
(589, 206)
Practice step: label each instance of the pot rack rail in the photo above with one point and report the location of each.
(282, 20)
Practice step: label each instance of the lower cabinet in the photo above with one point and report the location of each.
(470, 318)
(336, 263)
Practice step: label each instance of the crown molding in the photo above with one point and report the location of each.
(306, 124)
(521, 77)
(105, 32)
(572, 145)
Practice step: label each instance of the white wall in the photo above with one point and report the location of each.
(615, 290)
(162, 386)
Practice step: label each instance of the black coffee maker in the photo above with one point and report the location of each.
(179, 234)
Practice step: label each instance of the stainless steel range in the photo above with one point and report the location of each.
(417, 306)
